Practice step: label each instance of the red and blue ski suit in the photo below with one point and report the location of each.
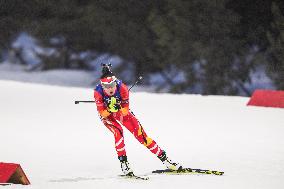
(124, 117)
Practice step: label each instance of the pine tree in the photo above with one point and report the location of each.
(276, 48)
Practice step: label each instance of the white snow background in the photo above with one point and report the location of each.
(63, 145)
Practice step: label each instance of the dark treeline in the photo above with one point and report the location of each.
(215, 42)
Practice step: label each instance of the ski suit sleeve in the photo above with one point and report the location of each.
(125, 100)
(100, 105)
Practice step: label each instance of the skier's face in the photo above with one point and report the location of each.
(110, 91)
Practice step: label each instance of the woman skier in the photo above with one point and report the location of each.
(112, 100)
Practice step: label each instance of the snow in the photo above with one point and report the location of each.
(260, 80)
(59, 77)
(63, 145)
(29, 46)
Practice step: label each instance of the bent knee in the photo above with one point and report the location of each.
(148, 141)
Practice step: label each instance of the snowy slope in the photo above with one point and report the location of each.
(63, 145)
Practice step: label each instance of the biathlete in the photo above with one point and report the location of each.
(112, 101)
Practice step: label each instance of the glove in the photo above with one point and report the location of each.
(113, 105)
(104, 113)
(124, 111)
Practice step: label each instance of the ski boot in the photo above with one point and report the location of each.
(125, 166)
(169, 163)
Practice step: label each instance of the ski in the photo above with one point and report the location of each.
(132, 176)
(188, 171)
(5, 184)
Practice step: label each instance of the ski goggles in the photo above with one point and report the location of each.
(108, 82)
(108, 85)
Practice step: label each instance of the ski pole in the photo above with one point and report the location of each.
(85, 101)
(91, 101)
(137, 81)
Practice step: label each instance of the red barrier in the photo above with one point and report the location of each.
(12, 173)
(267, 98)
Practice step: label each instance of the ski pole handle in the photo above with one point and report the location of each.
(84, 101)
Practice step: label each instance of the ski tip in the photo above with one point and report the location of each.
(188, 171)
